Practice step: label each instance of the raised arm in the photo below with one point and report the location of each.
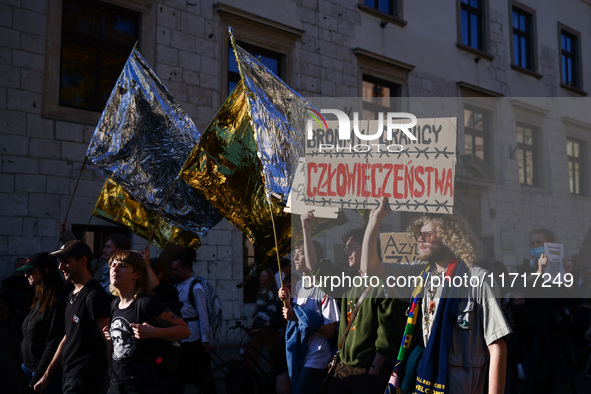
(154, 281)
(309, 250)
(370, 260)
(66, 233)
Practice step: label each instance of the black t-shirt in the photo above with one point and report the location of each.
(135, 360)
(84, 352)
(42, 333)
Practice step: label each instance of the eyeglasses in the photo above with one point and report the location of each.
(426, 236)
(351, 249)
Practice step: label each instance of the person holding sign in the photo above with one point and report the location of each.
(459, 323)
(311, 317)
(543, 316)
(375, 321)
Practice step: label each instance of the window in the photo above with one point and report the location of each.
(471, 16)
(96, 236)
(575, 165)
(377, 96)
(95, 43)
(476, 132)
(251, 284)
(569, 51)
(527, 154)
(385, 6)
(272, 60)
(523, 39)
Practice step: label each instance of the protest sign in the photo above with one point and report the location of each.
(398, 248)
(416, 175)
(295, 202)
(555, 254)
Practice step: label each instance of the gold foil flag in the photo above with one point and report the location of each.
(141, 142)
(247, 156)
(225, 168)
(116, 205)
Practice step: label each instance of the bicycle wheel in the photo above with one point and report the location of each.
(231, 377)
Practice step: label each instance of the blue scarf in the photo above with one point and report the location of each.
(296, 339)
(432, 369)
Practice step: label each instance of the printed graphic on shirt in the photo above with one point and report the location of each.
(124, 342)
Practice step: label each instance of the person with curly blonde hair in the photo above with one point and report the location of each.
(453, 231)
(454, 306)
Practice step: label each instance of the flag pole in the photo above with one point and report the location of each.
(73, 194)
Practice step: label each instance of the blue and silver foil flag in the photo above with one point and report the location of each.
(247, 156)
(278, 118)
(141, 142)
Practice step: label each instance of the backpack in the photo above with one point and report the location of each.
(214, 306)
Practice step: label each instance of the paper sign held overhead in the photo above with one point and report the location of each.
(415, 175)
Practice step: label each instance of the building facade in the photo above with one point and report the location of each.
(515, 72)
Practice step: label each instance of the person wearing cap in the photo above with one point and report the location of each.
(115, 243)
(99, 268)
(82, 352)
(43, 327)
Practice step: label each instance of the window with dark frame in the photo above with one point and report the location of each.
(385, 6)
(523, 39)
(574, 152)
(96, 40)
(570, 59)
(377, 95)
(527, 152)
(96, 236)
(272, 60)
(471, 15)
(476, 132)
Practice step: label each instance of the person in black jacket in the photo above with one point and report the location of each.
(82, 353)
(43, 327)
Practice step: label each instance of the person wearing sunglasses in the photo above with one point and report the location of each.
(459, 324)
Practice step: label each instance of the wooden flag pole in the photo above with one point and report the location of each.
(276, 245)
(73, 194)
(233, 41)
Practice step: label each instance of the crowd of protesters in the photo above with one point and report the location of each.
(432, 337)
(129, 324)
